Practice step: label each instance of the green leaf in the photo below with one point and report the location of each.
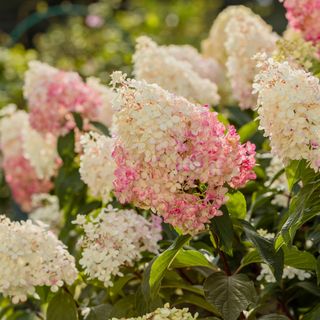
(182, 285)
(158, 267)
(248, 130)
(313, 314)
(251, 257)
(274, 316)
(101, 127)
(237, 205)
(62, 307)
(229, 294)
(198, 301)
(119, 284)
(298, 170)
(78, 120)
(295, 258)
(266, 250)
(65, 147)
(191, 258)
(303, 207)
(100, 312)
(308, 286)
(123, 307)
(223, 228)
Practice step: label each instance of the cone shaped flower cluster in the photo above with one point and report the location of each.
(289, 111)
(173, 156)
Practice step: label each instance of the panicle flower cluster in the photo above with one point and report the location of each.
(29, 159)
(97, 165)
(173, 156)
(166, 313)
(105, 112)
(280, 183)
(156, 64)
(304, 15)
(289, 111)
(53, 95)
(288, 273)
(45, 208)
(207, 68)
(30, 256)
(246, 35)
(113, 239)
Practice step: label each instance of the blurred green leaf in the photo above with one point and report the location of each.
(62, 307)
(236, 205)
(248, 130)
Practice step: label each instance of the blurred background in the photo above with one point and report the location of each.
(95, 37)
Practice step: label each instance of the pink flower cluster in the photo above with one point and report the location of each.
(20, 174)
(23, 181)
(53, 94)
(173, 156)
(304, 15)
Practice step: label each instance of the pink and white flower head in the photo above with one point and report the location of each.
(304, 15)
(53, 94)
(173, 156)
(31, 256)
(157, 64)
(29, 159)
(289, 111)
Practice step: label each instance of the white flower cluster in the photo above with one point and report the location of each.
(156, 64)
(247, 35)
(11, 125)
(97, 165)
(45, 208)
(207, 68)
(107, 95)
(289, 111)
(280, 183)
(30, 256)
(115, 238)
(288, 273)
(41, 151)
(166, 313)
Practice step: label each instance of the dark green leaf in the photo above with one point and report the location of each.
(223, 228)
(266, 250)
(100, 312)
(251, 257)
(62, 307)
(237, 205)
(198, 301)
(303, 207)
(274, 317)
(66, 147)
(78, 120)
(229, 294)
(101, 127)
